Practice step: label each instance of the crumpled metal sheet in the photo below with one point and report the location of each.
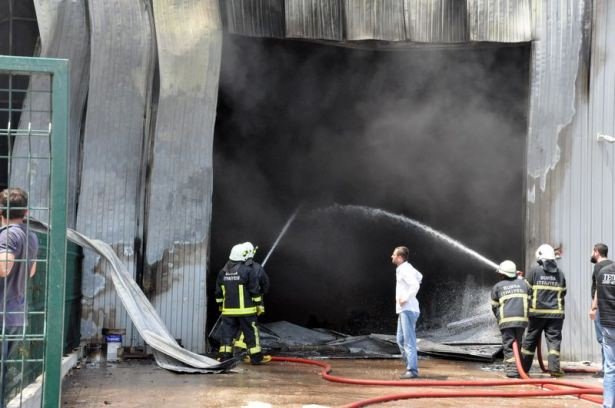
(556, 54)
(189, 39)
(424, 21)
(64, 34)
(167, 352)
(110, 201)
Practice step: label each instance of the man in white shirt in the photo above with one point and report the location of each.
(408, 282)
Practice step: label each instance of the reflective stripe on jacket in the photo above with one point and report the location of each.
(237, 290)
(548, 293)
(509, 302)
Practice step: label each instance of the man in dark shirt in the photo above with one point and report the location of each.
(599, 259)
(604, 301)
(18, 250)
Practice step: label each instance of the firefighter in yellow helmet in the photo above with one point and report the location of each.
(239, 297)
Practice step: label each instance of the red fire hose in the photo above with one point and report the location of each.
(581, 390)
(586, 370)
(597, 400)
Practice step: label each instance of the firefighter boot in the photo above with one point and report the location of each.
(225, 353)
(257, 358)
(554, 367)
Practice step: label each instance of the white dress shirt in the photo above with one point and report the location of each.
(408, 282)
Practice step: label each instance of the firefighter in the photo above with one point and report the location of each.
(509, 302)
(238, 295)
(546, 309)
(263, 280)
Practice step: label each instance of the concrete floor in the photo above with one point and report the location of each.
(141, 383)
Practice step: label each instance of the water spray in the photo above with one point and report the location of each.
(376, 212)
(275, 244)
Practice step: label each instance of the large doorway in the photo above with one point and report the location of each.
(356, 137)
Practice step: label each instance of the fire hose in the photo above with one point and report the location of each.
(583, 391)
(586, 370)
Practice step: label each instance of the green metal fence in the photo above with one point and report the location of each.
(33, 156)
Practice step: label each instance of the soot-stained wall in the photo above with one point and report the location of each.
(356, 137)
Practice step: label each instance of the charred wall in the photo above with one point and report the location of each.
(434, 134)
(18, 36)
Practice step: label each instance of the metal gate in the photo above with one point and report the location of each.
(34, 113)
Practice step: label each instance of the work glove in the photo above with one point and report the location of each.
(260, 310)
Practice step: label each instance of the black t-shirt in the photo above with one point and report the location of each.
(605, 285)
(597, 268)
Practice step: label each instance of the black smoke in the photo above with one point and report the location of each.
(432, 133)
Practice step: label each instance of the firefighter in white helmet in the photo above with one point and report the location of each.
(238, 295)
(546, 309)
(248, 253)
(509, 302)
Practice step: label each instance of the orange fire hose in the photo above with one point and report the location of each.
(582, 390)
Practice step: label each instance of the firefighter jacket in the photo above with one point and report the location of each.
(548, 292)
(510, 302)
(263, 278)
(237, 290)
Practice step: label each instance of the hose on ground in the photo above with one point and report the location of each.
(550, 386)
(586, 370)
(575, 388)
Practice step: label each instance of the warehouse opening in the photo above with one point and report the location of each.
(355, 141)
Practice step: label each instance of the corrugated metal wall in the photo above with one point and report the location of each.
(113, 144)
(63, 34)
(440, 21)
(575, 207)
(126, 202)
(189, 39)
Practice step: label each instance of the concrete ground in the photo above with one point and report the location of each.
(141, 383)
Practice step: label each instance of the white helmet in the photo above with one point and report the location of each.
(545, 252)
(508, 268)
(237, 253)
(248, 250)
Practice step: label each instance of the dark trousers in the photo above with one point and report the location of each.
(231, 326)
(7, 349)
(553, 333)
(509, 335)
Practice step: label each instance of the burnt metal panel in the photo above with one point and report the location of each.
(424, 21)
(315, 19)
(189, 40)
(570, 171)
(375, 20)
(120, 70)
(256, 18)
(64, 34)
(439, 21)
(501, 20)
(555, 64)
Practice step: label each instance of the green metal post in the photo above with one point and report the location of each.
(57, 238)
(54, 320)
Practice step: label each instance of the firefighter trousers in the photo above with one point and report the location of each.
(553, 333)
(231, 326)
(509, 335)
